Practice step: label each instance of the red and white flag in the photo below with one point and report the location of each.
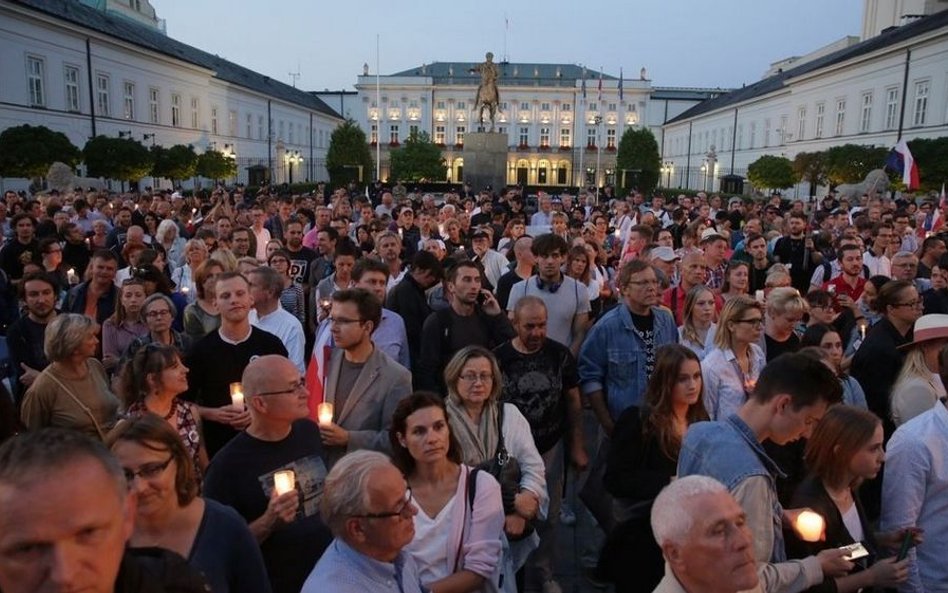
(316, 370)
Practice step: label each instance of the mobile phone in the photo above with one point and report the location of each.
(481, 298)
(854, 551)
(908, 540)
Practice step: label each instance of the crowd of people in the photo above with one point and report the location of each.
(382, 390)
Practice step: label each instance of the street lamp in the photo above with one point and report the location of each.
(598, 120)
(125, 134)
(293, 157)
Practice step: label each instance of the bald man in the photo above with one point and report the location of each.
(280, 437)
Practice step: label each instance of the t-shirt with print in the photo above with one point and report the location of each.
(644, 327)
(299, 265)
(537, 383)
(241, 476)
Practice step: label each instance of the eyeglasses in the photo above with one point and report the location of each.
(474, 377)
(147, 471)
(917, 303)
(157, 314)
(644, 283)
(343, 320)
(756, 322)
(297, 386)
(404, 510)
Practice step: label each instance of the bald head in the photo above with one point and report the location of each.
(266, 373)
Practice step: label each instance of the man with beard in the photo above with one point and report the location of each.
(26, 335)
(22, 248)
(300, 256)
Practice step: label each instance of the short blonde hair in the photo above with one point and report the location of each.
(65, 334)
(452, 372)
(735, 308)
(785, 300)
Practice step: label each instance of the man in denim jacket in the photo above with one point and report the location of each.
(790, 398)
(618, 355)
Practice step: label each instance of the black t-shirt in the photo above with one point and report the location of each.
(644, 326)
(775, 348)
(215, 364)
(25, 339)
(536, 383)
(10, 257)
(241, 476)
(794, 252)
(299, 264)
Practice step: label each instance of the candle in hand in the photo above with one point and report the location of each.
(810, 526)
(862, 330)
(759, 296)
(237, 395)
(284, 481)
(71, 276)
(324, 413)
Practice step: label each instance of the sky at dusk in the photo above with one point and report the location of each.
(681, 42)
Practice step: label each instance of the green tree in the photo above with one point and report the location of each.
(850, 163)
(121, 159)
(216, 165)
(175, 163)
(28, 151)
(638, 157)
(810, 167)
(929, 154)
(348, 153)
(420, 159)
(772, 172)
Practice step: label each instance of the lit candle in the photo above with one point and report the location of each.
(88, 242)
(325, 303)
(71, 276)
(401, 232)
(862, 330)
(324, 413)
(284, 481)
(194, 210)
(617, 233)
(237, 395)
(185, 290)
(810, 526)
(759, 295)
(441, 230)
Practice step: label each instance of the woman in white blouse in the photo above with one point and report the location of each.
(918, 386)
(731, 369)
(698, 328)
(460, 521)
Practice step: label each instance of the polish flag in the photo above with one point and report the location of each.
(316, 370)
(900, 160)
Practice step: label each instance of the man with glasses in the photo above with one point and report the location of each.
(905, 266)
(789, 399)
(288, 526)
(618, 356)
(369, 509)
(362, 382)
(222, 356)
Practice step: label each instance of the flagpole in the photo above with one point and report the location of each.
(582, 128)
(378, 115)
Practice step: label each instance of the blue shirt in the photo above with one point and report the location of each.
(344, 570)
(915, 493)
(725, 385)
(392, 339)
(612, 358)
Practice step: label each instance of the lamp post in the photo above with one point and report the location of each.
(125, 134)
(154, 180)
(598, 120)
(291, 158)
(704, 176)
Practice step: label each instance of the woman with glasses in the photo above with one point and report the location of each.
(202, 317)
(125, 325)
(827, 339)
(879, 359)
(151, 383)
(169, 514)
(479, 421)
(52, 264)
(195, 252)
(846, 449)
(159, 312)
(73, 391)
(731, 369)
(457, 544)
(736, 279)
(291, 298)
(698, 329)
(785, 310)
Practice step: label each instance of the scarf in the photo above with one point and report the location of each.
(478, 442)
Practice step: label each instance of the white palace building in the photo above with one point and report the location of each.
(106, 67)
(893, 83)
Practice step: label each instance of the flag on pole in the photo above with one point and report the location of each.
(316, 370)
(900, 160)
(936, 224)
(584, 84)
(600, 84)
(620, 85)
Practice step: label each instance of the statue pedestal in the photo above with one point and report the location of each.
(485, 160)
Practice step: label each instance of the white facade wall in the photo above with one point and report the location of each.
(216, 104)
(778, 119)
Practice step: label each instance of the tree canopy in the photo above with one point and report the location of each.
(419, 159)
(121, 159)
(215, 165)
(348, 152)
(850, 163)
(175, 163)
(638, 156)
(772, 172)
(28, 151)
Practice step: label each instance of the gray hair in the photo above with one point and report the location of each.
(672, 518)
(271, 279)
(157, 296)
(36, 452)
(163, 228)
(903, 255)
(346, 487)
(65, 334)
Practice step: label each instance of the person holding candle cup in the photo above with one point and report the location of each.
(201, 316)
(169, 513)
(844, 450)
(243, 474)
(125, 325)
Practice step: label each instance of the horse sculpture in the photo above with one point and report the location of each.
(487, 96)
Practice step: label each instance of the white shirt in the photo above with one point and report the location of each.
(878, 265)
(288, 328)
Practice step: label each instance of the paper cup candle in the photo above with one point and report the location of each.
(237, 395)
(284, 481)
(810, 526)
(324, 413)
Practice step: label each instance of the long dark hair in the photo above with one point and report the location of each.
(659, 413)
(408, 406)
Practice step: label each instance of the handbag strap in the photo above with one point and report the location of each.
(470, 486)
(501, 455)
(77, 401)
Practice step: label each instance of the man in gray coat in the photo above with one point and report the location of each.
(363, 383)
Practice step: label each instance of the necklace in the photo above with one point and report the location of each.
(171, 410)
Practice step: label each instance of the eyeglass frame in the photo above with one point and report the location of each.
(152, 471)
(474, 377)
(301, 384)
(402, 511)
